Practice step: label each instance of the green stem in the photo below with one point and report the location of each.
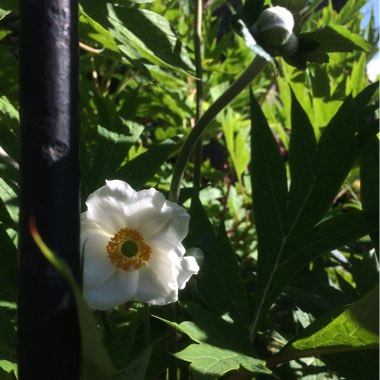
(234, 90)
(199, 91)
(172, 342)
(146, 325)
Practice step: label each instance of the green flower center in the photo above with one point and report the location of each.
(129, 248)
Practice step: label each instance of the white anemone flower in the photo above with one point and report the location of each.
(132, 247)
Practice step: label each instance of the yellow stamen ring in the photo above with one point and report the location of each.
(127, 250)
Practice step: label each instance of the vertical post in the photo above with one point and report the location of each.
(48, 328)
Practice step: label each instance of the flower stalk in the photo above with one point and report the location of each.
(231, 93)
(199, 91)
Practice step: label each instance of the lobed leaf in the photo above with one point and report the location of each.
(288, 240)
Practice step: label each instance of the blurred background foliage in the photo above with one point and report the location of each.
(137, 106)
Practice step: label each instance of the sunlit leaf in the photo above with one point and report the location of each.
(336, 38)
(142, 169)
(289, 240)
(355, 328)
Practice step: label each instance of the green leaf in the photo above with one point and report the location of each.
(358, 79)
(369, 180)
(138, 367)
(269, 189)
(11, 5)
(96, 362)
(235, 133)
(201, 232)
(355, 365)
(112, 149)
(212, 329)
(269, 186)
(302, 154)
(365, 271)
(320, 82)
(142, 169)
(335, 38)
(210, 362)
(4, 13)
(224, 344)
(356, 328)
(9, 123)
(8, 339)
(101, 35)
(8, 205)
(365, 96)
(334, 232)
(120, 343)
(350, 11)
(9, 261)
(287, 241)
(242, 153)
(220, 282)
(337, 151)
(313, 295)
(141, 33)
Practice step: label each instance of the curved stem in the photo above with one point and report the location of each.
(199, 91)
(236, 88)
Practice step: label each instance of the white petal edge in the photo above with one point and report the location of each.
(189, 267)
(97, 267)
(120, 288)
(106, 206)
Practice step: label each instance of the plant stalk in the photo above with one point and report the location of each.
(234, 90)
(199, 91)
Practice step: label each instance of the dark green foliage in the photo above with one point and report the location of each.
(287, 212)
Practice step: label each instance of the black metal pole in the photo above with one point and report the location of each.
(48, 329)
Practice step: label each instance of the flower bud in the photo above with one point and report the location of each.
(273, 27)
(290, 46)
(292, 5)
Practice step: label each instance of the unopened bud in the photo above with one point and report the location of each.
(273, 29)
(290, 46)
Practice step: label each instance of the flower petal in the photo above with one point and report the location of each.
(120, 288)
(179, 222)
(106, 206)
(149, 214)
(152, 214)
(189, 267)
(162, 224)
(158, 280)
(173, 232)
(97, 267)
